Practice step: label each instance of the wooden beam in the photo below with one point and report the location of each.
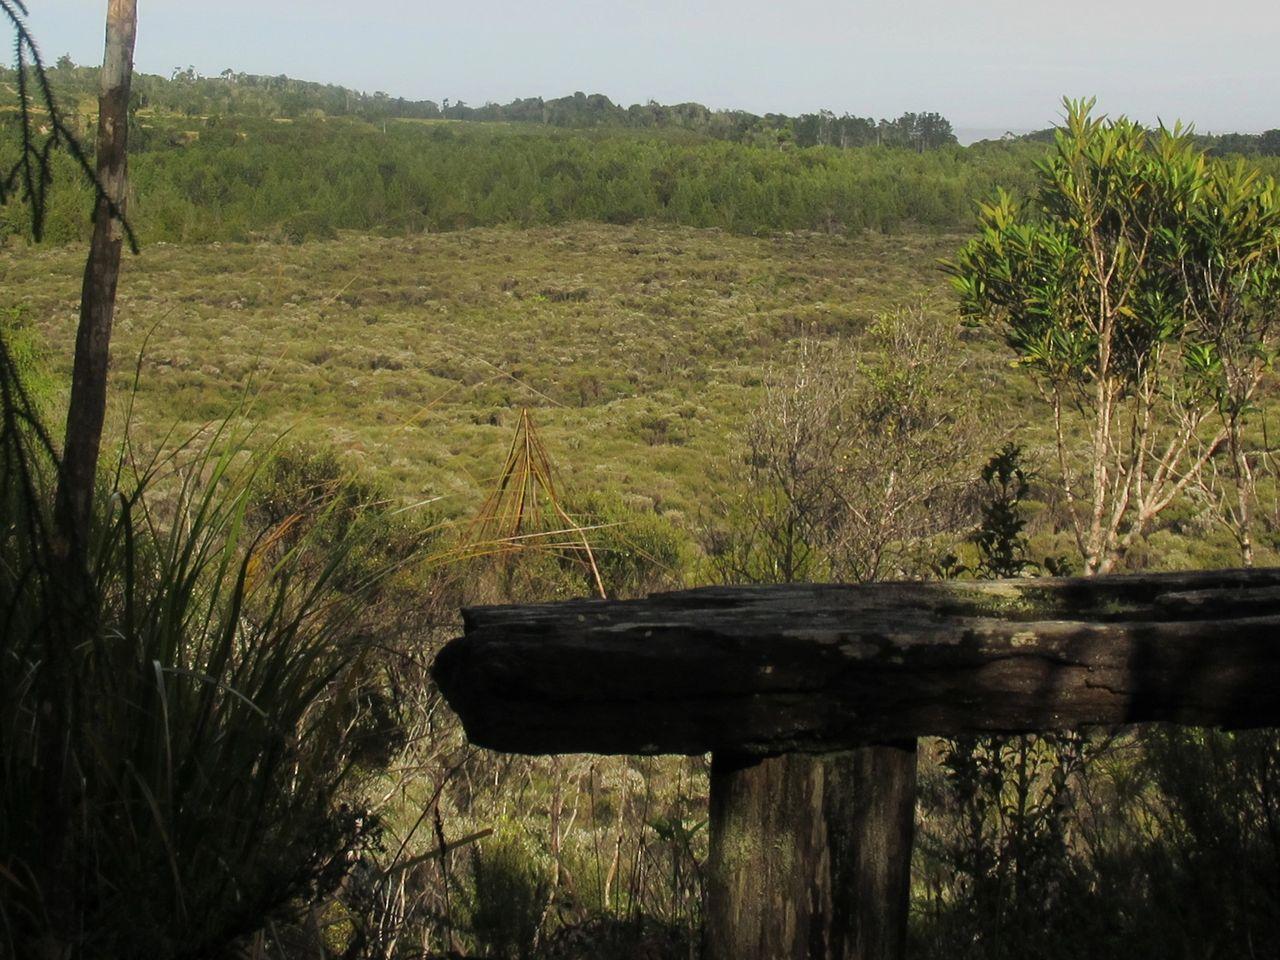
(817, 668)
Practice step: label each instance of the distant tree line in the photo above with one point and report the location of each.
(237, 179)
(276, 158)
(187, 92)
(1265, 144)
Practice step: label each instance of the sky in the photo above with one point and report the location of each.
(987, 65)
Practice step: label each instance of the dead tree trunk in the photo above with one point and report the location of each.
(87, 408)
(73, 503)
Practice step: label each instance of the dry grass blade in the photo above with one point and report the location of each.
(524, 511)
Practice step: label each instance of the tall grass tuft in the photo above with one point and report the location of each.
(174, 750)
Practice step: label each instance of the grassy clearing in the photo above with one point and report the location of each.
(639, 348)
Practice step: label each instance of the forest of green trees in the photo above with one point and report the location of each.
(310, 178)
(207, 169)
(233, 158)
(232, 93)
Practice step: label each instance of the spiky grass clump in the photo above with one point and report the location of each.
(175, 739)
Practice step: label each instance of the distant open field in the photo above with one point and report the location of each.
(640, 348)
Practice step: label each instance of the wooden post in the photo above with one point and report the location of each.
(810, 855)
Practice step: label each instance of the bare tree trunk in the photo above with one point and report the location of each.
(63, 713)
(1243, 476)
(87, 408)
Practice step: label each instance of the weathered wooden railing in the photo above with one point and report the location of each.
(810, 699)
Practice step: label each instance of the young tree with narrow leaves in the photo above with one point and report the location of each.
(1102, 282)
(1227, 258)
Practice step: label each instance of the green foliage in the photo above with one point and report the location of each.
(227, 157)
(636, 551)
(39, 135)
(27, 356)
(205, 719)
(187, 94)
(229, 178)
(1002, 545)
(1074, 278)
(1265, 144)
(1133, 267)
(1001, 539)
(1227, 256)
(305, 494)
(309, 225)
(509, 889)
(1228, 259)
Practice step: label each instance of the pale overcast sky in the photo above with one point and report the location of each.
(990, 64)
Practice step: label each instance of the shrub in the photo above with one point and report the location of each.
(175, 780)
(636, 551)
(309, 225)
(1218, 865)
(509, 896)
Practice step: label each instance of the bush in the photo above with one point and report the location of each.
(509, 896)
(309, 225)
(175, 748)
(1218, 865)
(636, 551)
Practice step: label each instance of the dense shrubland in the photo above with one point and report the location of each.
(233, 159)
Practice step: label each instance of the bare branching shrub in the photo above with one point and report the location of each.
(787, 505)
(855, 460)
(908, 449)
